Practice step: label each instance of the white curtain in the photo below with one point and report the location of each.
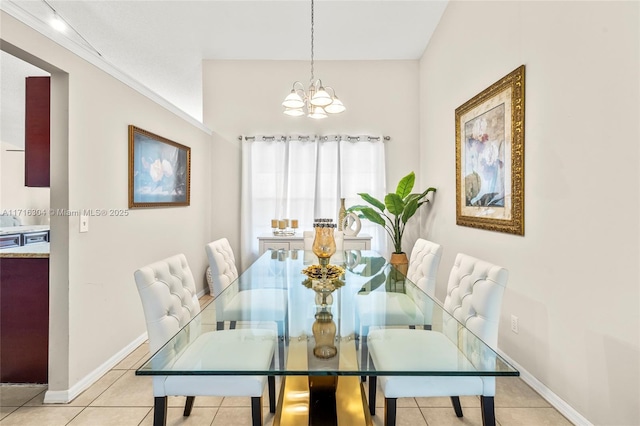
(296, 177)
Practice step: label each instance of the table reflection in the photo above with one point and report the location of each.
(324, 280)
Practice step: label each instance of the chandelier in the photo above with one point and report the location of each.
(316, 102)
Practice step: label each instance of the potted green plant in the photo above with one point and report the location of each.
(393, 214)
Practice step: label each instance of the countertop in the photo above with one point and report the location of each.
(6, 230)
(38, 250)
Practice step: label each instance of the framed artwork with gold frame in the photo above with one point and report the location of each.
(159, 170)
(490, 157)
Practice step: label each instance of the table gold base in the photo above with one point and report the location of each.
(321, 400)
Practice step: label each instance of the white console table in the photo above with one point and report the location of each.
(296, 242)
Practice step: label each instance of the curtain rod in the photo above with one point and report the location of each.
(322, 138)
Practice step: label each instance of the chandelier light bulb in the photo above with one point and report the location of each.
(317, 112)
(335, 107)
(321, 98)
(293, 100)
(294, 112)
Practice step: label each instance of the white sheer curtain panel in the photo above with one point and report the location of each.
(363, 170)
(304, 177)
(263, 180)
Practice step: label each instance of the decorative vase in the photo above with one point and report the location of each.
(324, 243)
(341, 214)
(400, 262)
(351, 224)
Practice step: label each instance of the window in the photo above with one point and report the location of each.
(304, 178)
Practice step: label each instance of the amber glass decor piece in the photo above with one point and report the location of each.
(324, 243)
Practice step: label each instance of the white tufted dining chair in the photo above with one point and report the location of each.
(168, 294)
(474, 298)
(390, 308)
(381, 308)
(257, 304)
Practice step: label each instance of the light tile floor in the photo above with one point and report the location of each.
(120, 398)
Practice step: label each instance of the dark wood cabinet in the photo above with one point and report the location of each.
(37, 131)
(24, 320)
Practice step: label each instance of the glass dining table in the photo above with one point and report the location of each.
(322, 353)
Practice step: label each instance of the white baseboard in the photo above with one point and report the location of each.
(65, 396)
(558, 403)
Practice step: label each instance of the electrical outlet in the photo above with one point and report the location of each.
(514, 324)
(84, 223)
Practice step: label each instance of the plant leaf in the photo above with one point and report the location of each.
(410, 210)
(412, 197)
(428, 190)
(372, 200)
(406, 185)
(394, 204)
(373, 216)
(357, 208)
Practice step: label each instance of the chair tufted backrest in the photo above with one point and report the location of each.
(474, 296)
(169, 300)
(423, 265)
(223, 265)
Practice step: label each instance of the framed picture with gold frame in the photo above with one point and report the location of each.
(490, 157)
(159, 170)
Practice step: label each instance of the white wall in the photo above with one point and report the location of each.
(14, 195)
(574, 279)
(95, 308)
(244, 98)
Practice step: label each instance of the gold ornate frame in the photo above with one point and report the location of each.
(159, 171)
(490, 137)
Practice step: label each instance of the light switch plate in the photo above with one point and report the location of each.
(84, 223)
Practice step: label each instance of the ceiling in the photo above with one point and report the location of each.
(161, 44)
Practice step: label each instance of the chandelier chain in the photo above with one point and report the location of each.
(312, 10)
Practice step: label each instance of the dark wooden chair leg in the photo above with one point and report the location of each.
(455, 401)
(256, 410)
(160, 411)
(364, 350)
(220, 325)
(232, 325)
(390, 411)
(188, 406)
(272, 393)
(488, 411)
(373, 383)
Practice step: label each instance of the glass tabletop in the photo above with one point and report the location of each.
(324, 324)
